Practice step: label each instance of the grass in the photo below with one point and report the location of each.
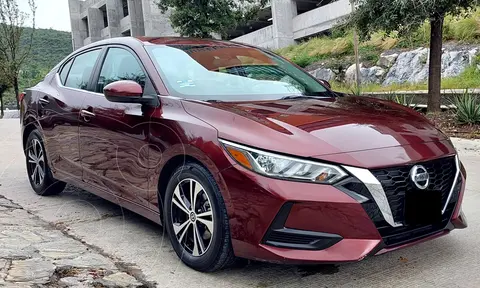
(340, 43)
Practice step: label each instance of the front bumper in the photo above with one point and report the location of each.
(344, 230)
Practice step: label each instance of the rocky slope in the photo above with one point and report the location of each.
(396, 67)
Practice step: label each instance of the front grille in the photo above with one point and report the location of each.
(396, 182)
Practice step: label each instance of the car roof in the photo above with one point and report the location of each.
(135, 41)
(187, 41)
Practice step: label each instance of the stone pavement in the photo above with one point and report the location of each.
(34, 253)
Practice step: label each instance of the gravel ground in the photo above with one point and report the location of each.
(77, 239)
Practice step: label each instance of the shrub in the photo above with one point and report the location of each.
(303, 60)
(468, 108)
(466, 29)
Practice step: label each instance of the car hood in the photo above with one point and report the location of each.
(312, 127)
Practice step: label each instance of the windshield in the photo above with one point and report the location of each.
(230, 73)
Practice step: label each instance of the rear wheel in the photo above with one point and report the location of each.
(196, 219)
(38, 171)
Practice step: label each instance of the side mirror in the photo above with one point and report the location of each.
(326, 83)
(124, 91)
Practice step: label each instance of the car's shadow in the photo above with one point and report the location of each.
(116, 225)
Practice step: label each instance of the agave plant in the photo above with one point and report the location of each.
(406, 100)
(356, 90)
(468, 108)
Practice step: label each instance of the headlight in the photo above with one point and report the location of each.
(283, 167)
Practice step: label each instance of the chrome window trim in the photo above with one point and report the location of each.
(376, 189)
(455, 180)
(59, 84)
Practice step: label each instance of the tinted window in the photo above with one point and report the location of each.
(82, 69)
(120, 64)
(65, 69)
(230, 73)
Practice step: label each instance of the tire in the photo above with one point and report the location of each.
(36, 157)
(217, 247)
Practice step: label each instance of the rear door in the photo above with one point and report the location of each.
(113, 136)
(59, 106)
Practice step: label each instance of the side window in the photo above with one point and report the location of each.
(65, 69)
(120, 64)
(82, 69)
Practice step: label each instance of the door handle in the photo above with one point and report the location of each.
(86, 115)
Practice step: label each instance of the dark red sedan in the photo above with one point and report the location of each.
(239, 153)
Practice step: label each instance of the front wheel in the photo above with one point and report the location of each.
(196, 219)
(39, 174)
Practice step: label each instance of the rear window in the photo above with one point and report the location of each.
(230, 73)
(65, 70)
(82, 69)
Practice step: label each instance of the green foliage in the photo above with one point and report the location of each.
(405, 100)
(369, 53)
(404, 16)
(466, 29)
(48, 49)
(356, 90)
(303, 60)
(459, 28)
(316, 49)
(468, 108)
(204, 18)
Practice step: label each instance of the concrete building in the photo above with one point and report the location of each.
(280, 24)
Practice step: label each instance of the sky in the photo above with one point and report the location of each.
(50, 14)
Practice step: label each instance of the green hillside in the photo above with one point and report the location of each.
(49, 47)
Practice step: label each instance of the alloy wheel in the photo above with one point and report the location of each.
(36, 162)
(192, 217)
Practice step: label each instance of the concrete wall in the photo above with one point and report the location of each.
(261, 38)
(320, 19)
(79, 31)
(155, 22)
(145, 19)
(283, 12)
(115, 14)
(287, 26)
(136, 17)
(95, 23)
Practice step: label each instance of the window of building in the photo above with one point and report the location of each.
(305, 6)
(120, 64)
(127, 33)
(85, 24)
(65, 70)
(125, 8)
(81, 71)
(105, 15)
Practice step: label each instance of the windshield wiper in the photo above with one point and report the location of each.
(303, 97)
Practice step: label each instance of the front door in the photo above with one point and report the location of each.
(113, 136)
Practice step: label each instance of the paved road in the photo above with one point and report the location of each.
(452, 261)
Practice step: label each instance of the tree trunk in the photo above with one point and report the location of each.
(17, 93)
(1, 106)
(435, 69)
(358, 75)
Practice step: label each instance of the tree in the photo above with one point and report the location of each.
(406, 16)
(3, 88)
(13, 52)
(202, 18)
